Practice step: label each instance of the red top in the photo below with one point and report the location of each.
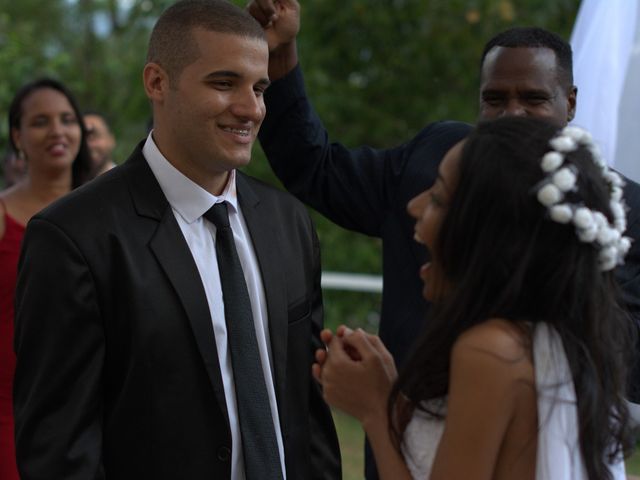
(9, 253)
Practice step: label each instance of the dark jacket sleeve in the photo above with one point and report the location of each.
(351, 187)
(59, 344)
(628, 276)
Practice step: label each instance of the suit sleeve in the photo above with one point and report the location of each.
(59, 343)
(325, 450)
(351, 187)
(628, 276)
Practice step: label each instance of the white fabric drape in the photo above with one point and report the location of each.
(606, 46)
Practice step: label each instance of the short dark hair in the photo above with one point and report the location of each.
(504, 258)
(536, 37)
(172, 45)
(106, 119)
(81, 168)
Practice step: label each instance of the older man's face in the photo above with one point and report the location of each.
(524, 81)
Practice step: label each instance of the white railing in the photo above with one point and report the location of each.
(352, 281)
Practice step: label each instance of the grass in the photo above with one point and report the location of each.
(352, 447)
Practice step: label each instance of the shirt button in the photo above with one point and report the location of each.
(224, 453)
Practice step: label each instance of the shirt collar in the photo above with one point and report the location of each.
(185, 196)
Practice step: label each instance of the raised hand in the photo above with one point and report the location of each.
(280, 19)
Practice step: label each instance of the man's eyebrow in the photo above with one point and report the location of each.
(265, 82)
(222, 74)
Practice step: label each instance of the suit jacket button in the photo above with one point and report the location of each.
(224, 454)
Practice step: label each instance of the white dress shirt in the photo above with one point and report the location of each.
(189, 202)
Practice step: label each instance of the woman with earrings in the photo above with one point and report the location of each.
(46, 131)
(522, 370)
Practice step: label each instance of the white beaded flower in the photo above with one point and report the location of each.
(614, 178)
(592, 226)
(588, 235)
(564, 179)
(583, 218)
(577, 134)
(563, 144)
(549, 195)
(551, 161)
(561, 213)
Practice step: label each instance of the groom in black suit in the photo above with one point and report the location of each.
(126, 323)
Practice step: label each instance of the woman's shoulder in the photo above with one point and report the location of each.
(496, 342)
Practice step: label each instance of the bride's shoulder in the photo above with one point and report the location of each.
(498, 341)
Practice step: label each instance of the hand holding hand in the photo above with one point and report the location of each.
(359, 387)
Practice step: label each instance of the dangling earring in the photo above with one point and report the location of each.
(20, 154)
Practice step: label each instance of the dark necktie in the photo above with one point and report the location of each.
(261, 457)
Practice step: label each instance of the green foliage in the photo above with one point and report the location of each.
(377, 71)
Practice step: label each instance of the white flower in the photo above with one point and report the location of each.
(578, 134)
(561, 213)
(608, 258)
(549, 195)
(600, 220)
(551, 161)
(597, 156)
(616, 194)
(583, 218)
(589, 234)
(624, 245)
(617, 209)
(564, 179)
(563, 144)
(620, 224)
(613, 178)
(607, 235)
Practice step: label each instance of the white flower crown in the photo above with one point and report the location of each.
(591, 226)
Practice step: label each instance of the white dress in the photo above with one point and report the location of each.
(558, 455)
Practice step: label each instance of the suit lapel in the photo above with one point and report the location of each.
(265, 243)
(172, 253)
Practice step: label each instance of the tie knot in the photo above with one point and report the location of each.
(218, 215)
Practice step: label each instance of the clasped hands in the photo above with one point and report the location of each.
(356, 372)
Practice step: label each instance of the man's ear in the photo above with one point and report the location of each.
(572, 98)
(156, 82)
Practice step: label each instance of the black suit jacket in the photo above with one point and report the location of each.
(118, 373)
(367, 190)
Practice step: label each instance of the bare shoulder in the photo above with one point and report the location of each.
(495, 343)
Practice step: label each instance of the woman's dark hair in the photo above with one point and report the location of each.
(81, 168)
(506, 259)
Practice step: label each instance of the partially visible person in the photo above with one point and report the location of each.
(46, 131)
(14, 167)
(524, 71)
(101, 142)
(167, 313)
(522, 370)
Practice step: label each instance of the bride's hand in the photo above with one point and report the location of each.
(359, 387)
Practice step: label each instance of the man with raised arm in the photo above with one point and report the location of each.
(524, 71)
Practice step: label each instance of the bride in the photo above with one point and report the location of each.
(522, 369)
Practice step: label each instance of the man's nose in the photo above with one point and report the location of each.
(514, 108)
(249, 106)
